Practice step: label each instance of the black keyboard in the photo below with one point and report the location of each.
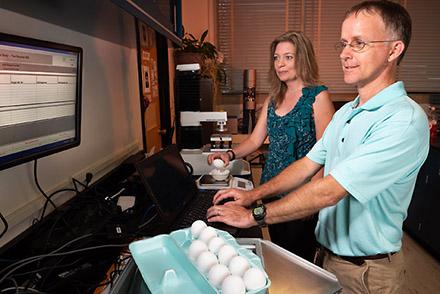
(197, 211)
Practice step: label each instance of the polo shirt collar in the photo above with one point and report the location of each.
(387, 95)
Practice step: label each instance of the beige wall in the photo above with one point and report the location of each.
(111, 121)
(198, 16)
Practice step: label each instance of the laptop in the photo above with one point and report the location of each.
(173, 190)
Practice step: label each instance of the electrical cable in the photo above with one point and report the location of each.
(15, 285)
(5, 222)
(43, 212)
(114, 195)
(31, 290)
(39, 187)
(111, 277)
(47, 268)
(107, 282)
(75, 181)
(56, 250)
(89, 177)
(52, 229)
(38, 257)
(148, 221)
(54, 267)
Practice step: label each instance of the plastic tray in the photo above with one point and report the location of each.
(165, 267)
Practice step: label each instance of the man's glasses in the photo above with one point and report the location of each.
(357, 45)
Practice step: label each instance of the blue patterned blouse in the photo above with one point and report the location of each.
(291, 136)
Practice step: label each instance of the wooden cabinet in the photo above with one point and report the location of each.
(423, 219)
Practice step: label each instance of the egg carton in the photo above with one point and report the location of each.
(166, 268)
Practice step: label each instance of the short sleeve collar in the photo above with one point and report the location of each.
(387, 95)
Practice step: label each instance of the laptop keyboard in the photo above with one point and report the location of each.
(198, 209)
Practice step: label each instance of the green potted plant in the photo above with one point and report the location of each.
(195, 50)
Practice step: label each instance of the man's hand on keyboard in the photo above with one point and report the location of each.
(230, 214)
(235, 197)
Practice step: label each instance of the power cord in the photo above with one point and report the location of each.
(38, 257)
(54, 251)
(89, 177)
(43, 212)
(39, 187)
(88, 180)
(5, 229)
(27, 290)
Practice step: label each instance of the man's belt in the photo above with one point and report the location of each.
(360, 260)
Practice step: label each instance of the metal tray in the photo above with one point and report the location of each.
(290, 273)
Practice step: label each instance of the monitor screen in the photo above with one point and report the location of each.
(40, 98)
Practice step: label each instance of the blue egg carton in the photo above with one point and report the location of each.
(166, 268)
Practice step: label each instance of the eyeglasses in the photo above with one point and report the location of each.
(357, 45)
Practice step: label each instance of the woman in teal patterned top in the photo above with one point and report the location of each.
(294, 116)
(291, 135)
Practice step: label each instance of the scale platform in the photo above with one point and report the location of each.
(207, 182)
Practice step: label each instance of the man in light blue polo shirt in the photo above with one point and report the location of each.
(372, 151)
(375, 152)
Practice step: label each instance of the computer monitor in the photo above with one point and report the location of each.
(40, 98)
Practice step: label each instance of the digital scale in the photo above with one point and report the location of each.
(207, 182)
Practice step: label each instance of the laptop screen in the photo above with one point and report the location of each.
(167, 181)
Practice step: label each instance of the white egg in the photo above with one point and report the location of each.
(195, 249)
(225, 254)
(207, 234)
(205, 261)
(218, 163)
(215, 244)
(217, 274)
(197, 227)
(233, 285)
(254, 279)
(238, 265)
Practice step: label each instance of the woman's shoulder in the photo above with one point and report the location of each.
(314, 91)
(269, 103)
(310, 93)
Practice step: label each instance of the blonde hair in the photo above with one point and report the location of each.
(305, 63)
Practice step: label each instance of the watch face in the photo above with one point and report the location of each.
(258, 210)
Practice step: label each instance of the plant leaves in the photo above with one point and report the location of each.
(202, 38)
(192, 37)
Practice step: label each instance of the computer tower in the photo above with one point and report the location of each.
(192, 93)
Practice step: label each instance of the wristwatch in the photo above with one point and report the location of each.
(259, 213)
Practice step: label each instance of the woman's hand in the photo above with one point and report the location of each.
(220, 155)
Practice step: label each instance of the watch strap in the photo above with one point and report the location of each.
(231, 154)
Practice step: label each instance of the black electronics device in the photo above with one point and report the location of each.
(193, 93)
(172, 188)
(40, 98)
